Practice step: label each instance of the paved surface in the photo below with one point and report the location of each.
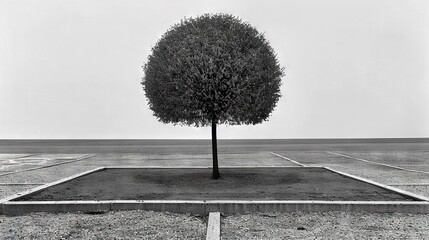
(23, 171)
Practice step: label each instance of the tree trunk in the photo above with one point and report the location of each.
(215, 174)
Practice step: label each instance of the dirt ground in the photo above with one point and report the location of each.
(288, 183)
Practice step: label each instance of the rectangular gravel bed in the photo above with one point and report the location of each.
(327, 225)
(287, 183)
(103, 225)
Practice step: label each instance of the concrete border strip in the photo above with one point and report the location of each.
(290, 160)
(224, 206)
(397, 190)
(213, 226)
(232, 206)
(9, 207)
(377, 163)
(20, 208)
(48, 166)
(180, 206)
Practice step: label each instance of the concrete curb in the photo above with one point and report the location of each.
(231, 207)
(178, 206)
(20, 208)
(213, 226)
(9, 207)
(224, 206)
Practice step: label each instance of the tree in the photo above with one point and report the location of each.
(211, 70)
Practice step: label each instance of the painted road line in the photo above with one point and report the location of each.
(377, 163)
(397, 190)
(280, 156)
(48, 166)
(29, 155)
(17, 158)
(213, 226)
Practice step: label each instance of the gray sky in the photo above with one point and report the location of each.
(72, 69)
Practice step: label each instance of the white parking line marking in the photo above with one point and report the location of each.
(391, 188)
(48, 166)
(377, 163)
(280, 156)
(17, 158)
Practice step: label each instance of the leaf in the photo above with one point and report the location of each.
(212, 64)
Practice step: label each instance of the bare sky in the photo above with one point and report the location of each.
(72, 69)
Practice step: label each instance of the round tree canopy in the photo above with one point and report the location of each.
(212, 69)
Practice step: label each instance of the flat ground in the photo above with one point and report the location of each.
(288, 183)
(405, 166)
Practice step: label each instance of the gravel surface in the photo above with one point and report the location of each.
(328, 225)
(110, 225)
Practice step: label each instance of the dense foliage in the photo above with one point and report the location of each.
(212, 69)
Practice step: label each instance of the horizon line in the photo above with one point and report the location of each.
(334, 138)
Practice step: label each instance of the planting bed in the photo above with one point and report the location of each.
(283, 183)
